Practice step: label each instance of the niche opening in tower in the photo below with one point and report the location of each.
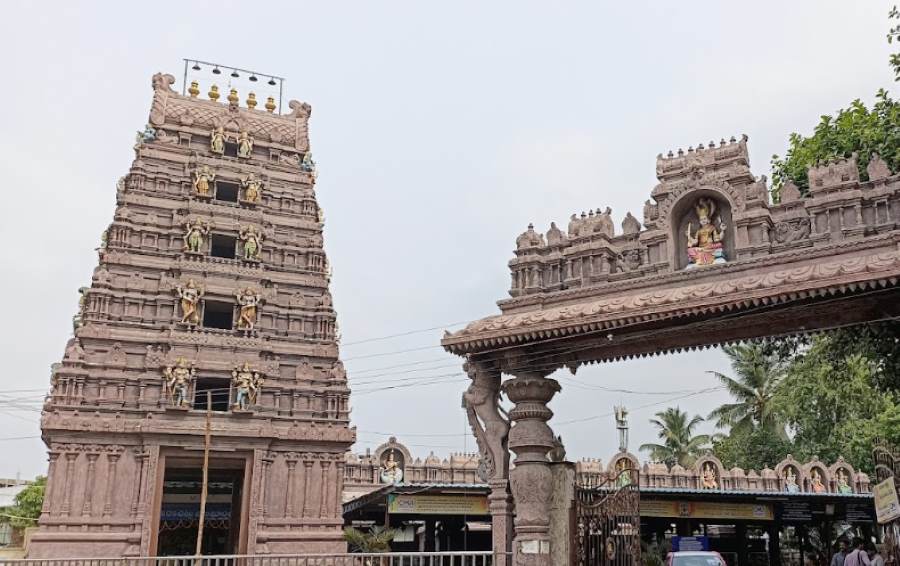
(226, 191)
(218, 315)
(223, 246)
(219, 392)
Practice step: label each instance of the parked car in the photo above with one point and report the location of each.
(695, 558)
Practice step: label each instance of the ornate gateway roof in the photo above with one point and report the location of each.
(712, 246)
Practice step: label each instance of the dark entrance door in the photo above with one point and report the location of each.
(608, 521)
(180, 512)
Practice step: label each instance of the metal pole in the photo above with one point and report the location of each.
(203, 488)
(184, 82)
(280, 90)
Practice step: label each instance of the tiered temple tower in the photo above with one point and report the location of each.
(212, 283)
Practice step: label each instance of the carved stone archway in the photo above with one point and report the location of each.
(825, 260)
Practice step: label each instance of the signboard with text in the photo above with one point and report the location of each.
(681, 544)
(438, 504)
(887, 508)
(707, 510)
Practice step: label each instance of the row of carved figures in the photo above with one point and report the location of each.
(589, 223)
(178, 377)
(203, 185)
(196, 233)
(248, 299)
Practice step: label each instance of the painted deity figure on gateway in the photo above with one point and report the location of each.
(705, 245)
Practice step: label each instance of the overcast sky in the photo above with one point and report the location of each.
(440, 130)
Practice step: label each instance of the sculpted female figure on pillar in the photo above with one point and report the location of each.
(190, 298)
(487, 419)
(245, 145)
(194, 236)
(217, 140)
(202, 179)
(252, 239)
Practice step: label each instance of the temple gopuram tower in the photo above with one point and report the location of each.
(212, 284)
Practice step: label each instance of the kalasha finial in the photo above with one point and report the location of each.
(732, 140)
(194, 91)
(670, 155)
(270, 105)
(699, 147)
(680, 152)
(722, 142)
(251, 100)
(233, 98)
(213, 93)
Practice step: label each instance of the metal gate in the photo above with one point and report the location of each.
(608, 521)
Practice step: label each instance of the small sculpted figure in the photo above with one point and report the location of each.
(705, 245)
(817, 485)
(190, 298)
(308, 164)
(247, 384)
(252, 239)
(202, 179)
(790, 481)
(217, 141)
(245, 145)
(843, 482)
(252, 188)
(178, 379)
(391, 473)
(194, 236)
(248, 300)
(708, 477)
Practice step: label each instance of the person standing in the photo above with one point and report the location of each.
(838, 558)
(858, 556)
(875, 557)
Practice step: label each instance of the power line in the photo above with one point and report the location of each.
(408, 333)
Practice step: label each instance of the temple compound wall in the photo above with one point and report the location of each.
(364, 473)
(212, 283)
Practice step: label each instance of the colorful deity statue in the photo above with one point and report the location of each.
(790, 481)
(252, 239)
(217, 140)
(248, 300)
(245, 144)
(194, 236)
(252, 188)
(817, 485)
(178, 380)
(247, 385)
(623, 472)
(391, 472)
(708, 477)
(203, 178)
(190, 298)
(307, 164)
(704, 247)
(843, 482)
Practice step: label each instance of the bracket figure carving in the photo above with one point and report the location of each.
(488, 420)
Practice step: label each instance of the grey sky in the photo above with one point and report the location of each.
(440, 130)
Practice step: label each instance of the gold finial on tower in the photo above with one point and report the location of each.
(213, 93)
(194, 91)
(233, 97)
(251, 100)
(270, 104)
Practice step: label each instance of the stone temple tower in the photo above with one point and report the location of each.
(212, 284)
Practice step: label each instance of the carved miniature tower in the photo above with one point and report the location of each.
(212, 284)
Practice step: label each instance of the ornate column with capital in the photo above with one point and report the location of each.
(491, 429)
(531, 439)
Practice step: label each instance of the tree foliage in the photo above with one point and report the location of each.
(758, 371)
(27, 507)
(679, 444)
(752, 448)
(378, 539)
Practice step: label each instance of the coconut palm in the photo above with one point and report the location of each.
(378, 539)
(679, 445)
(758, 372)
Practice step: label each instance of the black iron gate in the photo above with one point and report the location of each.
(608, 521)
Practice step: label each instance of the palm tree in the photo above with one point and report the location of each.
(678, 446)
(378, 539)
(758, 373)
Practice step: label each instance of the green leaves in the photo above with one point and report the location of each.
(378, 539)
(679, 444)
(27, 507)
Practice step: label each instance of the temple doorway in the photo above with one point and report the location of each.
(180, 508)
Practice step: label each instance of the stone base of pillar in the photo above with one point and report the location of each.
(501, 507)
(562, 513)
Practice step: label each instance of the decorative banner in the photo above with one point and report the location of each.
(887, 508)
(438, 504)
(707, 510)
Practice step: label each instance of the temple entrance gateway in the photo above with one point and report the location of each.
(608, 521)
(713, 263)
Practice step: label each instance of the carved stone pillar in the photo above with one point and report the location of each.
(338, 490)
(70, 478)
(289, 495)
(112, 458)
(87, 507)
(531, 439)
(307, 466)
(323, 503)
(52, 481)
(267, 460)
